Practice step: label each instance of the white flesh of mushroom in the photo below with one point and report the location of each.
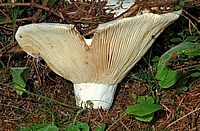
(97, 67)
(101, 95)
(119, 6)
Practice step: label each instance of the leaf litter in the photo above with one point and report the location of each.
(180, 109)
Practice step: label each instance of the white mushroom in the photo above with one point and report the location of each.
(94, 69)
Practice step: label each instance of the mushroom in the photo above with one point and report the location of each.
(95, 66)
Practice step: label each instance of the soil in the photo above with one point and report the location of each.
(180, 110)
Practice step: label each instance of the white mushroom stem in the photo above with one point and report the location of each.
(100, 95)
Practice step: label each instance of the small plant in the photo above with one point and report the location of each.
(78, 126)
(144, 110)
(180, 5)
(182, 52)
(186, 35)
(41, 127)
(20, 77)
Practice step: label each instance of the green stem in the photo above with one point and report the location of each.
(77, 115)
(116, 122)
(39, 96)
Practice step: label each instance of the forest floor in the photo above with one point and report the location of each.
(180, 108)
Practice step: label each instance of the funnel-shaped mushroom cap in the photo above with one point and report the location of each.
(115, 48)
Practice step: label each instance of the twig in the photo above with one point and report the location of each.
(35, 16)
(31, 4)
(168, 116)
(183, 117)
(125, 126)
(129, 12)
(116, 121)
(186, 68)
(190, 22)
(100, 115)
(191, 16)
(8, 17)
(40, 96)
(18, 20)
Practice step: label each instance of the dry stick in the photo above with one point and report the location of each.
(183, 117)
(100, 114)
(11, 43)
(170, 113)
(35, 16)
(31, 4)
(129, 12)
(191, 23)
(189, 67)
(18, 20)
(7, 17)
(125, 126)
(191, 16)
(6, 28)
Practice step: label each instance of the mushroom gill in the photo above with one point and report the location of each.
(95, 68)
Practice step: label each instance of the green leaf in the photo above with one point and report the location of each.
(165, 75)
(181, 3)
(101, 127)
(146, 118)
(145, 107)
(83, 126)
(41, 127)
(193, 53)
(176, 40)
(133, 96)
(144, 100)
(180, 34)
(197, 68)
(196, 74)
(52, 1)
(79, 126)
(72, 127)
(191, 38)
(88, 102)
(3, 20)
(183, 89)
(184, 79)
(177, 7)
(155, 59)
(194, 30)
(20, 77)
(142, 109)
